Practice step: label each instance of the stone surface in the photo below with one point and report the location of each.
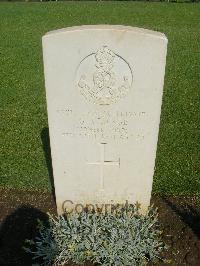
(104, 89)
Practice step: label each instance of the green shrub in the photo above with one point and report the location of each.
(123, 238)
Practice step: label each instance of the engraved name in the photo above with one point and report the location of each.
(104, 125)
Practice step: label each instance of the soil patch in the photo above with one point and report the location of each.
(19, 210)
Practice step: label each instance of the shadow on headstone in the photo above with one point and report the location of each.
(14, 230)
(189, 215)
(47, 152)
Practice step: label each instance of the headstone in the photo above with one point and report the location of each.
(104, 89)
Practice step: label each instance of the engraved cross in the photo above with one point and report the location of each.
(103, 162)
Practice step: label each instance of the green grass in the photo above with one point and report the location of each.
(22, 94)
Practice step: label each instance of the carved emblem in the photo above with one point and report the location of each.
(108, 77)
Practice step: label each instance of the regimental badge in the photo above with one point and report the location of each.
(104, 77)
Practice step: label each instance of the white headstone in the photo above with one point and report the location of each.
(104, 89)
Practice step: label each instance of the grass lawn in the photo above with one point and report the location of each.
(22, 94)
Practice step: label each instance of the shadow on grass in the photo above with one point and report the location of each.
(188, 215)
(14, 230)
(47, 152)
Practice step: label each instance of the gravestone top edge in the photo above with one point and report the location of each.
(107, 27)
